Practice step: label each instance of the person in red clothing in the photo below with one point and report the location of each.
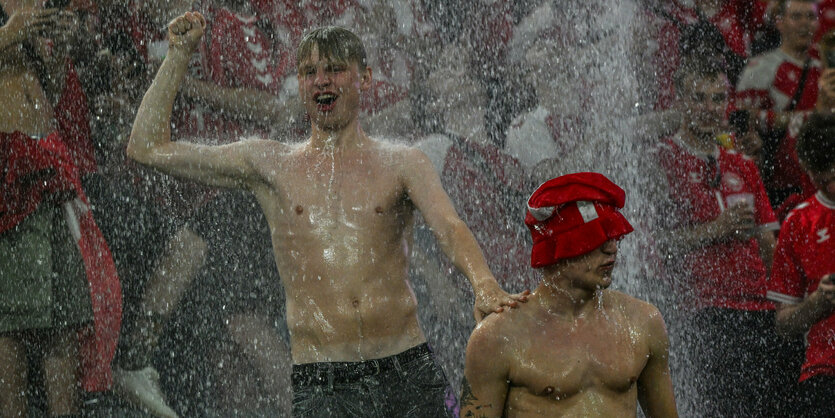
(803, 280)
(720, 244)
(779, 86)
(56, 274)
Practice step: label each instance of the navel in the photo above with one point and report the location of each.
(378, 209)
(356, 303)
(299, 209)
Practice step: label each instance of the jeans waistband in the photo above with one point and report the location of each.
(351, 371)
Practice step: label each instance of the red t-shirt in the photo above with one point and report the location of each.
(805, 253)
(726, 274)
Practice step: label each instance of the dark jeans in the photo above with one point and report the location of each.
(408, 384)
(744, 369)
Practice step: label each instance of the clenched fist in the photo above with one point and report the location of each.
(184, 32)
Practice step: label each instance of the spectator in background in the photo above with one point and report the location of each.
(803, 280)
(471, 166)
(60, 300)
(550, 131)
(720, 245)
(738, 22)
(778, 87)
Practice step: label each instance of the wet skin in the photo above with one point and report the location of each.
(575, 349)
(340, 208)
(26, 107)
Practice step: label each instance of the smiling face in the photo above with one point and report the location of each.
(798, 24)
(330, 90)
(703, 100)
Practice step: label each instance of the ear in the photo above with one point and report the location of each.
(365, 79)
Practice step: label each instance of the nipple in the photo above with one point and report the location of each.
(378, 209)
(299, 209)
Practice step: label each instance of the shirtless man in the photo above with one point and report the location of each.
(576, 348)
(341, 210)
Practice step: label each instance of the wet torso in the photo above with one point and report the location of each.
(583, 366)
(341, 226)
(26, 107)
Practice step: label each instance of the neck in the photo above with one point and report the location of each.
(348, 136)
(556, 295)
(798, 52)
(699, 141)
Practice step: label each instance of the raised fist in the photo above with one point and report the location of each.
(185, 31)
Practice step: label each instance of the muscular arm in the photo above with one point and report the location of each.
(655, 387)
(150, 140)
(456, 240)
(797, 319)
(484, 387)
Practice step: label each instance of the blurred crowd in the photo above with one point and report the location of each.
(186, 301)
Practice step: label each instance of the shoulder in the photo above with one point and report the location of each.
(264, 148)
(435, 147)
(759, 72)
(640, 312)
(800, 212)
(493, 333)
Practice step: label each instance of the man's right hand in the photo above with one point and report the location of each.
(826, 288)
(736, 221)
(184, 32)
(826, 91)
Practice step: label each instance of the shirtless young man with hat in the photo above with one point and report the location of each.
(576, 348)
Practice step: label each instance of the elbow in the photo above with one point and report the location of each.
(136, 151)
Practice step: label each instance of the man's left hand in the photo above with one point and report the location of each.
(492, 299)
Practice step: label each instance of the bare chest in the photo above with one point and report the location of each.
(574, 359)
(320, 198)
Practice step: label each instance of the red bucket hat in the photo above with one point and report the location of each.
(572, 215)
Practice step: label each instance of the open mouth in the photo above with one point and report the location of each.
(325, 101)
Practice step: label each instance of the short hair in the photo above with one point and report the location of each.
(816, 143)
(780, 7)
(699, 67)
(335, 44)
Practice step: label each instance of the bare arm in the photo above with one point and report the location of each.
(246, 104)
(766, 241)
(655, 386)
(734, 223)
(484, 386)
(456, 240)
(797, 319)
(150, 140)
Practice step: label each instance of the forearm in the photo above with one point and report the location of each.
(152, 125)
(459, 244)
(241, 103)
(765, 239)
(8, 38)
(692, 237)
(797, 319)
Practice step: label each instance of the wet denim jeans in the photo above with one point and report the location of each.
(408, 384)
